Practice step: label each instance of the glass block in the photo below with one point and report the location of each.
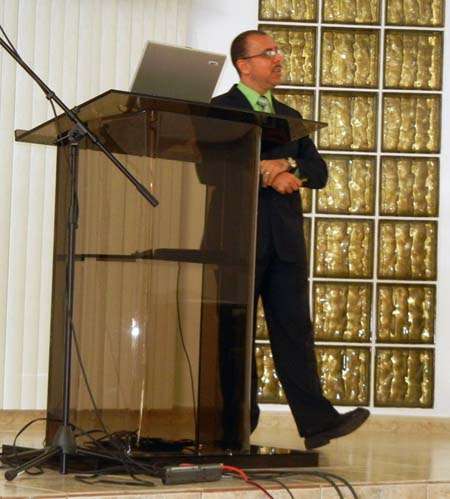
(351, 119)
(350, 187)
(270, 390)
(409, 186)
(407, 250)
(411, 123)
(307, 232)
(404, 377)
(406, 314)
(349, 58)
(299, 47)
(301, 100)
(341, 311)
(343, 248)
(351, 11)
(261, 327)
(288, 10)
(306, 195)
(415, 12)
(413, 59)
(344, 374)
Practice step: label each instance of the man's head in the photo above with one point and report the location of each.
(257, 59)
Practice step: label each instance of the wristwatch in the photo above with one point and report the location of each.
(292, 163)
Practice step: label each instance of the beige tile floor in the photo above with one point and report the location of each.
(380, 462)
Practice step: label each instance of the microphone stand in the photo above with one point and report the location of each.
(81, 126)
(63, 442)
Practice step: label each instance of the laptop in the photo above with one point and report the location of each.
(177, 72)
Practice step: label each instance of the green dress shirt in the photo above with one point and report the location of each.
(253, 96)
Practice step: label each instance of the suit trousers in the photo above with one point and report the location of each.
(283, 288)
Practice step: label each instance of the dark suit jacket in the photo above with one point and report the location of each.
(280, 220)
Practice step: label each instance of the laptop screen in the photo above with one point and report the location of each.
(177, 72)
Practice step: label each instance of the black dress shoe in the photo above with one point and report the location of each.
(347, 423)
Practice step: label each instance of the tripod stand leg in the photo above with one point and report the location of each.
(7, 455)
(45, 456)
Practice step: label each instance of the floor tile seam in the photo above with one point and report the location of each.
(30, 495)
(32, 488)
(379, 483)
(160, 489)
(202, 493)
(395, 484)
(318, 485)
(228, 488)
(122, 493)
(102, 492)
(112, 494)
(49, 496)
(56, 491)
(249, 487)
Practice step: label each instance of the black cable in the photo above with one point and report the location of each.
(329, 477)
(125, 459)
(123, 456)
(186, 353)
(127, 463)
(246, 479)
(12, 459)
(14, 444)
(92, 480)
(123, 467)
(332, 483)
(260, 487)
(86, 432)
(324, 475)
(86, 382)
(92, 477)
(345, 482)
(153, 471)
(181, 336)
(122, 453)
(285, 487)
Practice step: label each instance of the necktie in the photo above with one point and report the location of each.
(263, 103)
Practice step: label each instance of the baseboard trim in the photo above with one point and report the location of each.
(275, 420)
(14, 420)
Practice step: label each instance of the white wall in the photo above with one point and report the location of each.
(80, 48)
(212, 26)
(214, 23)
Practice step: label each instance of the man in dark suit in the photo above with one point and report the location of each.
(281, 266)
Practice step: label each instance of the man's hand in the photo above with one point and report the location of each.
(270, 168)
(286, 183)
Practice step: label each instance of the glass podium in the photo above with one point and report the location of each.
(151, 283)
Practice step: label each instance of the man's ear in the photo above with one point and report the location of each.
(242, 65)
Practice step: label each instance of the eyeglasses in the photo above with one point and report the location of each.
(270, 53)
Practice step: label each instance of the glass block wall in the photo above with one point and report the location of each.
(371, 69)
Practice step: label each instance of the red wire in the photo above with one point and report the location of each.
(241, 473)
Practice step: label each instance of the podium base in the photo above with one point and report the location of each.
(257, 457)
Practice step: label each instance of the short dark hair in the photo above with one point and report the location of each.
(238, 48)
